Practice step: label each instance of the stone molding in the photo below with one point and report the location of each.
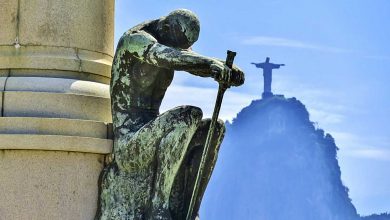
(55, 58)
(54, 98)
(55, 143)
(55, 126)
(56, 105)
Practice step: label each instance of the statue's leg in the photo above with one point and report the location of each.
(147, 161)
(185, 179)
(179, 127)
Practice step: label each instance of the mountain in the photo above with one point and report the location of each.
(275, 164)
(383, 216)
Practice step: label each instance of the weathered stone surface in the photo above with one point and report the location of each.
(57, 35)
(8, 21)
(50, 162)
(86, 24)
(56, 97)
(4, 73)
(55, 143)
(38, 57)
(57, 85)
(58, 74)
(93, 62)
(2, 85)
(56, 105)
(48, 185)
(55, 58)
(54, 126)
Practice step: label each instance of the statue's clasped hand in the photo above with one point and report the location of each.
(228, 76)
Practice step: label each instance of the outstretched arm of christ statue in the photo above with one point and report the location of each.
(268, 65)
(276, 66)
(258, 65)
(146, 48)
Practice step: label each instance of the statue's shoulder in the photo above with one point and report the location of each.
(141, 32)
(136, 41)
(139, 37)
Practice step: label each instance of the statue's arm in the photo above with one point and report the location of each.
(196, 64)
(145, 47)
(258, 65)
(277, 66)
(184, 60)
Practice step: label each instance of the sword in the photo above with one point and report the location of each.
(221, 90)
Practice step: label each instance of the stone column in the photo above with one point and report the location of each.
(55, 62)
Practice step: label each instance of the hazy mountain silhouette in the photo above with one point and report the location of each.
(275, 165)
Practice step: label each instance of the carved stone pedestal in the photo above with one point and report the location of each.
(55, 61)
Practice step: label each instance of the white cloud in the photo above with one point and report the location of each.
(329, 113)
(375, 154)
(320, 102)
(362, 147)
(284, 42)
(325, 117)
(374, 57)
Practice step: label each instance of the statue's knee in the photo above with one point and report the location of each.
(190, 114)
(134, 153)
(219, 125)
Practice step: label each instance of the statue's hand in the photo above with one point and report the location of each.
(223, 74)
(238, 76)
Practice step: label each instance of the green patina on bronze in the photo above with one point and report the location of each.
(156, 156)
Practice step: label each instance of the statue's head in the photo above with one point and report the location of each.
(267, 60)
(179, 29)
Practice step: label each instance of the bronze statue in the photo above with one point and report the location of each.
(156, 156)
(267, 74)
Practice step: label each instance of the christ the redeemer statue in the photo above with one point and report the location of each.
(267, 73)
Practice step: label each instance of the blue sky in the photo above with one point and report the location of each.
(337, 56)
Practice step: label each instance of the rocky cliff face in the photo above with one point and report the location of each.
(275, 165)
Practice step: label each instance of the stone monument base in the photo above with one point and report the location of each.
(49, 167)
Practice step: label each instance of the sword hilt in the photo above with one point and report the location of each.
(229, 62)
(230, 58)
